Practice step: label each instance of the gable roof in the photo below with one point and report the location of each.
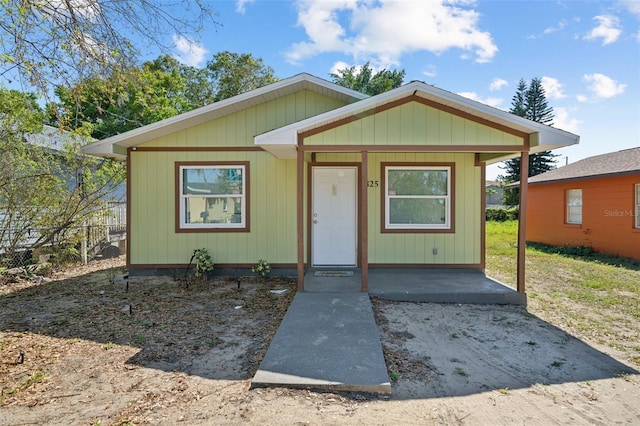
(115, 146)
(282, 142)
(612, 164)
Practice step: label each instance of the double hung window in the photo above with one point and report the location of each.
(417, 197)
(574, 206)
(212, 196)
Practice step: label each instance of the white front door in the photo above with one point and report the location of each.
(333, 216)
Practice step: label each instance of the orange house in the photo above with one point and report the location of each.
(594, 202)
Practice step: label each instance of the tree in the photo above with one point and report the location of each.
(41, 198)
(529, 102)
(49, 43)
(365, 81)
(233, 74)
(156, 90)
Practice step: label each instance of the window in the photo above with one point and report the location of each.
(637, 205)
(417, 197)
(212, 196)
(574, 206)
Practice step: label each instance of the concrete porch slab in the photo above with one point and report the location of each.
(421, 285)
(326, 341)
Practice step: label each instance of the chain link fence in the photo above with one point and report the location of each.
(103, 235)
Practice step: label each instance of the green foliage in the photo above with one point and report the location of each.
(263, 268)
(578, 251)
(500, 214)
(363, 80)
(46, 189)
(158, 89)
(125, 100)
(203, 262)
(531, 103)
(233, 74)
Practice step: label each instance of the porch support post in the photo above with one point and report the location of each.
(364, 223)
(522, 220)
(300, 217)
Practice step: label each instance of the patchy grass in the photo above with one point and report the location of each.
(594, 296)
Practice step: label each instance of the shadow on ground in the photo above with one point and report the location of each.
(211, 329)
(215, 330)
(468, 349)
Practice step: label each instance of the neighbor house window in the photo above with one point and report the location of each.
(574, 206)
(637, 205)
(212, 196)
(417, 197)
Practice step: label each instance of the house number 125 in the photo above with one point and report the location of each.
(373, 183)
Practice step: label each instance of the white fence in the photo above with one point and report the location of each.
(106, 229)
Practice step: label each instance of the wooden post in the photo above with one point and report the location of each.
(300, 217)
(522, 220)
(364, 223)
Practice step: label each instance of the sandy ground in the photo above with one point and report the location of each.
(84, 350)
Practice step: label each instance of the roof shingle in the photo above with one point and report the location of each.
(614, 163)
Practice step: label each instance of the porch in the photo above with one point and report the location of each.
(416, 285)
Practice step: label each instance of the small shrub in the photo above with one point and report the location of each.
(263, 268)
(203, 262)
(573, 251)
(501, 214)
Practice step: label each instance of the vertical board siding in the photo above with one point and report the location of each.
(413, 124)
(461, 247)
(239, 128)
(272, 211)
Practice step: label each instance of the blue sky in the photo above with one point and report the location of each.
(586, 52)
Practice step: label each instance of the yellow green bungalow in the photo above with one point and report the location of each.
(308, 174)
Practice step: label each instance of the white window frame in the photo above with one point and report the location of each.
(222, 226)
(637, 212)
(573, 204)
(388, 226)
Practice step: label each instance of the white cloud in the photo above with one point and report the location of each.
(241, 5)
(582, 98)
(339, 66)
(603, 86)
(552, 88)
(430, 71)
(494, 102)
(632, 6)
(561, 25)
(607, 29)
(497, 84)
(85, 8)
(562, 120)
(382, 31)
(189, 52)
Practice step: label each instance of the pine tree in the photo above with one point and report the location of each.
(529, 102)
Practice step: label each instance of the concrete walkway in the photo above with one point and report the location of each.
(326, 341)
(329, 339)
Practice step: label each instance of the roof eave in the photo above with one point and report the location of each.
(546, 137)
(201, 115)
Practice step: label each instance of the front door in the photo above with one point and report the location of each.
(333, 216)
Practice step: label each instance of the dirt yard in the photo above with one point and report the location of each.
(86, 350)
